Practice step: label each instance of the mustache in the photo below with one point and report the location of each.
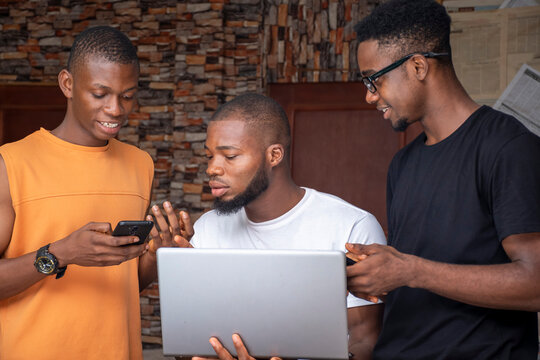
(218, 179)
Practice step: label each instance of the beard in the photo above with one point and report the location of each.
(256, 187)
(401, 125)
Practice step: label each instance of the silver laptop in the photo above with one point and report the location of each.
(286, 303)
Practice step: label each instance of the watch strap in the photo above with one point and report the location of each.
(61, 271)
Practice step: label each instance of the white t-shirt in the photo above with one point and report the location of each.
(318, 222)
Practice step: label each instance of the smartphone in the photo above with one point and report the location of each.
(129, 227)
(350, 261)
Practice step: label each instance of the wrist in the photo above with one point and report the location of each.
(413, 273)
(151, 255)
(152, 247)
(150, 252)
(58, 250)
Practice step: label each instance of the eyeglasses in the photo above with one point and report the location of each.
(369, 81)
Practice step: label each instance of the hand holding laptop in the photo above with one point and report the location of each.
(223, 354)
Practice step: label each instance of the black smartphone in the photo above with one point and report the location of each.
(350, 261)
(130, 227)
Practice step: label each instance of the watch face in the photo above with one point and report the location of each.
(45, 265)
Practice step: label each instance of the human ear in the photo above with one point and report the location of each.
(421, 67)
(274, 154)
(65, 81)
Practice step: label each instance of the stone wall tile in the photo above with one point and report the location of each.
(196, 8)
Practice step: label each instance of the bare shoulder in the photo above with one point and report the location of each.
(7, 213)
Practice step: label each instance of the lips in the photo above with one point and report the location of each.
(110, 127)
(384, 110)
(109, 124)
(218, 189)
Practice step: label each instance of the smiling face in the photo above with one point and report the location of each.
(101, 94)
(398, 95)
(236, 164)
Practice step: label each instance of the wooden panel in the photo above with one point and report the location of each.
(340, 144)
(26, 108)
(44, 96)
(22, 122)
(345, 153)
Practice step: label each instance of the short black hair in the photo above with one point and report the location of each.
(413, 25)
(262, 113)
(105, 42)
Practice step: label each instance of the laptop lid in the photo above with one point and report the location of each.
(288, 303)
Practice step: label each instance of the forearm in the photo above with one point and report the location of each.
(362, 349)
(514, 285)
(17, 275)
(147, 269)
(364, 324)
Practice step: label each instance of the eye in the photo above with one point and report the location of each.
(231, 157)
(98, 96)
(128, 97)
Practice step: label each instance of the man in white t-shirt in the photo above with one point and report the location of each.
(258, 205)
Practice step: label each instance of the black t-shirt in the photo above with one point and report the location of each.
(454, 202)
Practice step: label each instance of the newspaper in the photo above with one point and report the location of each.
(489, 47)
(522, 98)
(471, 5)
(518, 3)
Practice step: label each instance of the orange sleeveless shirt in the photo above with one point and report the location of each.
(56, 188)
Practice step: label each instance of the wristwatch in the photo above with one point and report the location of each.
(46, 263)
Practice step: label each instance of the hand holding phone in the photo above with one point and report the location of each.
(353, 258)
(139, 228)
(349, 261)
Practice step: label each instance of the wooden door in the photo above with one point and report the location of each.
(340, 144)
(26, 108)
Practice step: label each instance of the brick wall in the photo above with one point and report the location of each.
(195, 55)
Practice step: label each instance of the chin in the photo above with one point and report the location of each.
(103, 134)
(400, 125)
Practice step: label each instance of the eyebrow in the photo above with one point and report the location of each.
(367, 72)
(223, 147)
(101, 86)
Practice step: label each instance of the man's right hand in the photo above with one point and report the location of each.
(93, 245)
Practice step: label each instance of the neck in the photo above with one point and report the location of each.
(447, 108)
(70, 131)
(280, 197)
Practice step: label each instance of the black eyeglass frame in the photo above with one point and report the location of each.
(369, 81)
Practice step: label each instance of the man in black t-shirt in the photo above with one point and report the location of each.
(462, 273)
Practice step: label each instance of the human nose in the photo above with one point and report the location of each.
(114, 107)
(371, 98)
(214, 168)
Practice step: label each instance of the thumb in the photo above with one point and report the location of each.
(101, 227)
(359, 249)
(181, 242)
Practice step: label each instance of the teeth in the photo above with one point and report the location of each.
(109, 125)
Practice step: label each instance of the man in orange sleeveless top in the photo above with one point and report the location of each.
(60, 191)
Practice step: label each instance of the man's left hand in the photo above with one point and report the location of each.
(382, 269)
(223, 354)
(173, 231)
